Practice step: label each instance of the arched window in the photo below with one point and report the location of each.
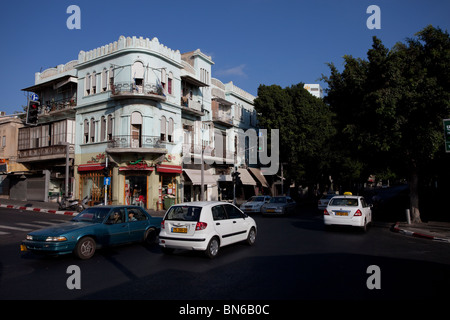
(86, 131)
(169, 83)
(92, 130)
(163, 128)
(170, 131)
(87, 84)
(136, 126)
(137, 72)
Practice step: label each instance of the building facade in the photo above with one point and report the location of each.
(315, 89)
(144, 116)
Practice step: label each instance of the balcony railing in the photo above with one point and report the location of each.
(59, 105)
(48, 152)
(191, 106)
(130, 141)
(131, 89)
(208, 151)
(222, 117)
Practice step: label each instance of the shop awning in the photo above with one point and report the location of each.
(169, 168)
(196, 177)
(258, 175)
(246, 178)
(91, 167)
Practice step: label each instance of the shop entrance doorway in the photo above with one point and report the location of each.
(136, 190)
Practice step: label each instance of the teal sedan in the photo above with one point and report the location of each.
(94, 228)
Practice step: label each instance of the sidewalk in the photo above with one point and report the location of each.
(438, 231)
(52, 207)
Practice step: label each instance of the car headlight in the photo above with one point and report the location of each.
(29, 237)
(55, 239)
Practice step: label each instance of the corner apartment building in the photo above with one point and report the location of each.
(46, 149)
(143, 115)
(12, 173)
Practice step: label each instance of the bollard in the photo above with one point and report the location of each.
(408, 216)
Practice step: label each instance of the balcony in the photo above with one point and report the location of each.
(45, 153)
(222, 117)
(191, 106)
(209, 153)
(60, 107)
(124, 90)
(137, 144)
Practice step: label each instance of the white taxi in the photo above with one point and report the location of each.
(205, 226)
(348, 210)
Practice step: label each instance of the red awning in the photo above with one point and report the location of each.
(169, 168)
(91, 167)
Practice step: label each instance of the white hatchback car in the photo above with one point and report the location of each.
(205, 226)
(348, 210)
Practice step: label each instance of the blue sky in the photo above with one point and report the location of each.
(251, 42)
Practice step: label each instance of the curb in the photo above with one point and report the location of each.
(396, 228)
(66, 213)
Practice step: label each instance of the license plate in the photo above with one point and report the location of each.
(270, 210)
(341, 213)
(179, 230)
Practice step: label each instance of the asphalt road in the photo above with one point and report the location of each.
(294, 258)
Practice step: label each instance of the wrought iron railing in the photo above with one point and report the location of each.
(131, 141)
(130, 87)
(57, 105)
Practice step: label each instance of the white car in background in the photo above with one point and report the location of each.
(205, 226)
(254, 204)
(348, 210)
(323, 201)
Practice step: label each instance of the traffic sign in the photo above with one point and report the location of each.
(34, 97)
(107, 181)
(447, 134)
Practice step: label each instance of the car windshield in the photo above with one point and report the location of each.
(256, 199)
(93, 214)
(344, 202)
(183, 213)
(278, 200)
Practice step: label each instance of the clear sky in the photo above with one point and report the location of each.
(251, 42)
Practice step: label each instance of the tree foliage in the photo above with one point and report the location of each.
(391, 106)
(305, 124)
(382, 115)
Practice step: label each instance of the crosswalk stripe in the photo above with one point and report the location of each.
(14, 228)
(2, 233)
(28, 225)
(49, 223)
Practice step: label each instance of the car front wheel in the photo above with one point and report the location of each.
(85, 248)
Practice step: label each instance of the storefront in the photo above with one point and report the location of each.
(192, 185)
(91, 177)
(169, 185)
(136, 178)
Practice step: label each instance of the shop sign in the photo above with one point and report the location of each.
(137, 166)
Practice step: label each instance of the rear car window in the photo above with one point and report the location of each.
(344, 202)
(183, 213)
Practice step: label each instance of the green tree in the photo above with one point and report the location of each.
(305, 124)
(391, 105)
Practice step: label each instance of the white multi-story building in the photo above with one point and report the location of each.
(145, 115)
(315, 89)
